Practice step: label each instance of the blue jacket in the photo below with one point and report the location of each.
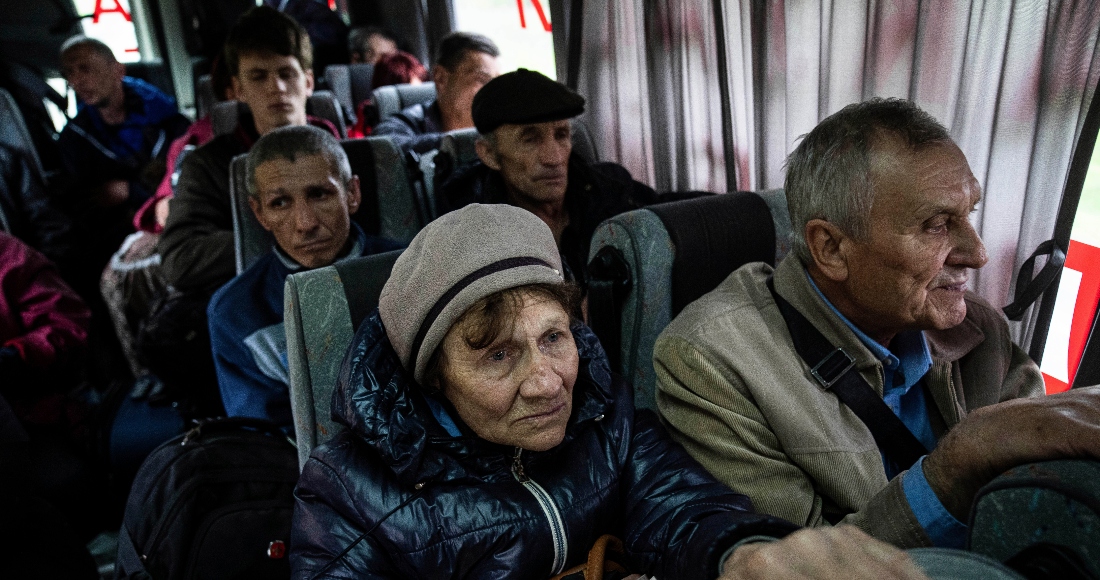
(94, 152)
(436, 506)
(416, 128)
(248, 339)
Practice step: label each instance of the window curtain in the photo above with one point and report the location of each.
(1011, 80)
(648, 72)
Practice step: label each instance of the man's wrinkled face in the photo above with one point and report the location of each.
(911, 271)
(306, 207)
(533, 159)
(93, 77)
(274, 87)
(456, 88)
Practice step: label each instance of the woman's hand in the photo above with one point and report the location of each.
(840, 552)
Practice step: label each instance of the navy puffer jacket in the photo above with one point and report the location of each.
(436, 506)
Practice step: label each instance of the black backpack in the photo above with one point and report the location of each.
(213, 503)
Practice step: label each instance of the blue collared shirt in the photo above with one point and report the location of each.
(904, 365)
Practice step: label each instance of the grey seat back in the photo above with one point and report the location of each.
(388, 207)
(322, 310)
(718, 233)
(389, 100)
(322, 104)
(350, 83)
(583, 144)
(204, 96)
(14, 133)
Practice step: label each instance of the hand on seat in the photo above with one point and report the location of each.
(840, 552)
(996, 438)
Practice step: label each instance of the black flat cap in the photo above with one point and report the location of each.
(522, 97)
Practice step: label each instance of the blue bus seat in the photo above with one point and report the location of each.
(670, 255)
(350, 83)
(323, 309)
(391, 99)
(387, 208)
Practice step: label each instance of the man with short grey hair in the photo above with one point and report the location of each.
(302, 190)
(859, 382)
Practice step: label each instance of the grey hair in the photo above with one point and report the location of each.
(829, 173)
(291, 142)
(93, 44)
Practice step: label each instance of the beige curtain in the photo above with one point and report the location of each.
(1012, 81)
(648, 72)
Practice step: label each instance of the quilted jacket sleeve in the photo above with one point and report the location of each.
(46, 322)
(326, 523)
(680, 526)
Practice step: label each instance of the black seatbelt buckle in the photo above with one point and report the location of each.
(835, 365)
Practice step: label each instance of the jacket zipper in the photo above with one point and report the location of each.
(553, 516)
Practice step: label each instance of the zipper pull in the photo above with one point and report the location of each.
(517, 465)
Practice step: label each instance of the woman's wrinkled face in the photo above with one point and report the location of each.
(518, 391)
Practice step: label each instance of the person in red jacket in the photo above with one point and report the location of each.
(43, 323)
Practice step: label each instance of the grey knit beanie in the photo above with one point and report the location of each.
(452, 263)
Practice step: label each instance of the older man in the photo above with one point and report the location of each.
(879, 197)
(301, 189)
(270, 59)
(464, 63)
(527, 160)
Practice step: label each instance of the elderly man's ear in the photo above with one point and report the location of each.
(828, 246)
(487, 153)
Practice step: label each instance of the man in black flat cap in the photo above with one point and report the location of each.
(526, 160)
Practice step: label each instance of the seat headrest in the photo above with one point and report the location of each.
(714, 236)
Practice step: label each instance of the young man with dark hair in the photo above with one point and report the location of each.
(465, 62)
(301, 189)
(269, 58)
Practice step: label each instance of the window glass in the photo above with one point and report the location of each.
(520, 28)
(1078, 289)
(112, 22)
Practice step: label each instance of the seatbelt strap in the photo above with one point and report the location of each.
(835, 371)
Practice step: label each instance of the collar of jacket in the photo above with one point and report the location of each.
(378, 401)
(791, 282)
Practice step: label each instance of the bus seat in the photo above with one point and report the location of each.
(390, 100)
(388, 207)
(583, 144)
(14, 133)
(154, 72)
(204, 96)
(322, 104)
(321, 314)
(350, 83)
(647, 264)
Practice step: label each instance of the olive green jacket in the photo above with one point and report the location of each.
(734, 392)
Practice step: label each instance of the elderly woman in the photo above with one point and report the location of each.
(486, 437)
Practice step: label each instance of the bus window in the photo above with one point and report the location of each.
(1078, 290)
(112, 22)
(520, 28)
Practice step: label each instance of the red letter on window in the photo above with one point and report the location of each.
(538, 8)
(100, 10)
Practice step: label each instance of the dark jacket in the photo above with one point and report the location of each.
(595, 192)
(436, 506)
(197, 243)
(29, 211)
(416, 128)
(134, 151)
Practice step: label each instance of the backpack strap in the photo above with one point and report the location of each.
(129, 560)
(834, 370)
